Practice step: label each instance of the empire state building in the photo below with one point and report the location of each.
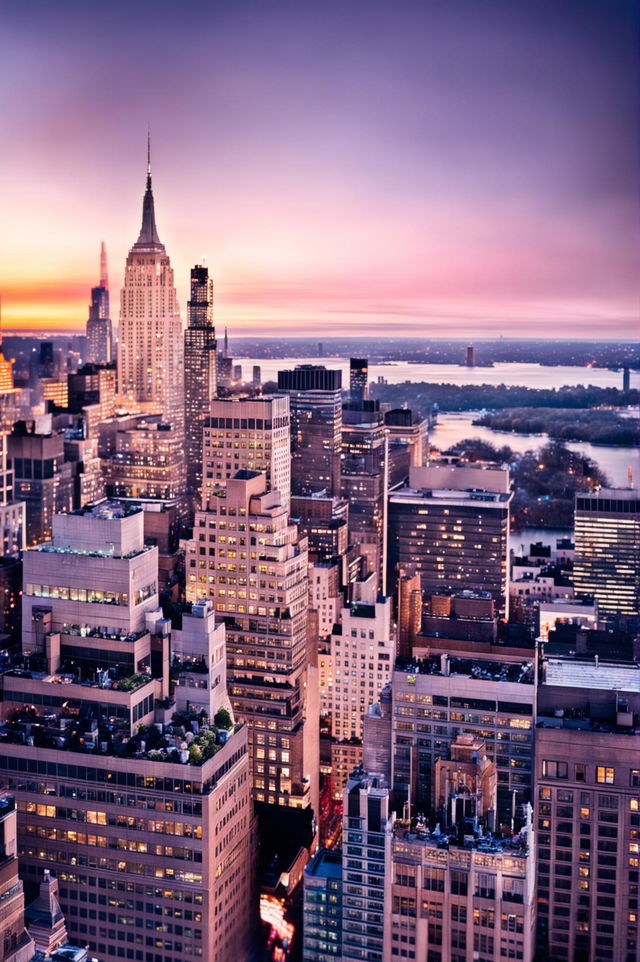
(150, 349)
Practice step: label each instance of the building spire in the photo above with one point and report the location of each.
(226, 342)
(148, 231)
(104, 275)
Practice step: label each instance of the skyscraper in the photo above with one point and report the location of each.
(99, 331)
(316, 425)
(200, 380)
(607, 553)
(250, 434)
(148, 804)
(150, 348)
(452, 525)
(247, 558)
(359, 379)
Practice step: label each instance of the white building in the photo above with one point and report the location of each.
(96, 573)
(150, 345)
(251, 434)
(362, 656)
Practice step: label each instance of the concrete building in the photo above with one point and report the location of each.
(450, 688)
(17, 944)
(408, 436)
(93, 386)
(366, 865)
(247, 558)
(588, 805)
(363, 655)
(200, 373)
(315, 395)
(322, 911)
(41, 478)
(146, 462)
(248, 434)
(140, 808)
(607, 550)
(460, 889)
(452, 525)
(150, 346)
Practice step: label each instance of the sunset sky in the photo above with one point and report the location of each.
(439, 167)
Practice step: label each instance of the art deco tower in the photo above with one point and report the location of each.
(150, 354)
(199, 372)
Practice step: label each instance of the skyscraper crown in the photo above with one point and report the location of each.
(148, 232)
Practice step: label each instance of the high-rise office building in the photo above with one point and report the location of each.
(358, 379)
(250, 434)
(315, 395)
(247, 558)
(42, 479)
(146, 463)
(322, 913)
(363, 656)
(99, 329)
(132, 781)
(366, 868)
(93, 386)
(453, 687)
(452, 525)
(588, 802)
(461, 887)
(607, 551)
(363, 479)
(150, 347)
(200, 377)
(408, 436)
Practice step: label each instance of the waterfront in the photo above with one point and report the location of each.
(397, 372)
(614, 461)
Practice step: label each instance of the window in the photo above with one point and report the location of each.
(581, 773)
(552, 769)
(605, 775)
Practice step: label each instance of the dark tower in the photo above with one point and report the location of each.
(199, 373)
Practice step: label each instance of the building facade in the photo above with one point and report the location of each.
(251, 434)
(607, 550)
(150, 345)
(200, 377)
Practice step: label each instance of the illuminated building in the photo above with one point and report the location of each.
(200, 378)
(315, 395)
(461, 888)
(150, 348)
(607, 551)
(322, 912)
(17, 944)
(363, 655)
(471, 356)
(452, 687)
(358, 379)
(452, 525)
(363, 478)
(56, 390)
(408, 443)
(146, 463)
(134, 805)
(250, 434)
(93, 386)
(99, 331)
(42, 479)
(588, 803)
(248, 559)
(366, 839)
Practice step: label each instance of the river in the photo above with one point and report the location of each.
(614, 461)
(397, 372)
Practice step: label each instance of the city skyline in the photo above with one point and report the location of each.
(416, 169)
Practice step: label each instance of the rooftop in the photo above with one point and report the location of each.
(325, 864)
(469, 837)
(479, 669)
